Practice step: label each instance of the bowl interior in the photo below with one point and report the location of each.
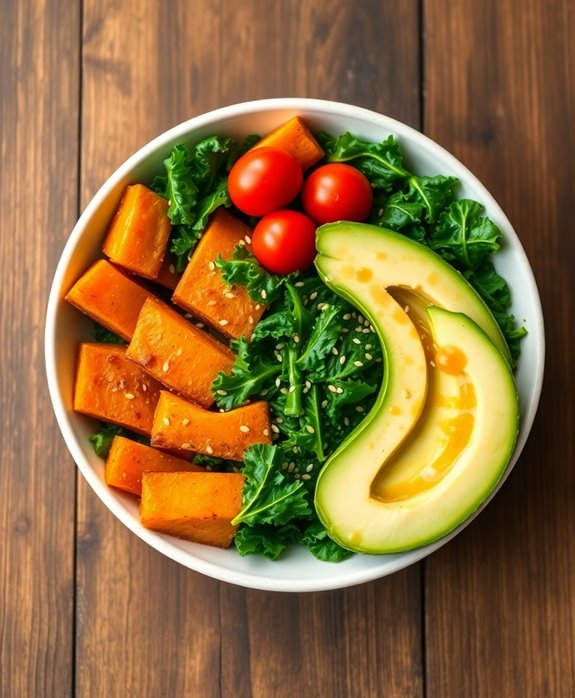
(65, 328)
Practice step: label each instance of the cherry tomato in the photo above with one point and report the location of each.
(264, 180)
(337, 192)
(284, 241)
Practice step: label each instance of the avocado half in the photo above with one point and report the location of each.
(445, 422)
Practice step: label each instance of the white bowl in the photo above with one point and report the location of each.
(298, 570)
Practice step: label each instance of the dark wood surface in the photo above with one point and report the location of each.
(87, 609)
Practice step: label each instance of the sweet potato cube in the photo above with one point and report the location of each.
(295, 137)
(181, 424)
(114, 389)
(177, 353)
(204, 293)
(138, 234)
(196, 506)
(168, 277)
(110, 297)
(128, 460)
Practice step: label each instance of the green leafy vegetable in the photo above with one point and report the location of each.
(103, 335)
(102, 440)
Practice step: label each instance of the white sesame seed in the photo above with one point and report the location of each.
(250, 320)
(332, 388)
(244, 428)
(209, 450)
(310, 429)
(172, 269)
(266, 432)
(339, 390)
(179, 351)
(264, 293)
(298, 284)
(368, 356)
(360, 318)
(355, 340)
(212, 303)
(291, 389)
(306, 476)
(275, 429)
(223, 323)
(313, 296)
(358, 328)
(346, 421)
(342, 359)
(188, 316)
(308, 385)
(278, 382)
(309, 468)
(359, 364)
(200, 325)
(242, 243)
(347, 316)
(368, 347)
(295, 338)
(221, 392)
(129, 396)
(229, 294)
(334, 351)
(185, 421)
(432, 364)
(406, 309)
(323, 404)
(279, 420)
(144, 387)
(367, 330)
(291, 467)
(359, 409)
(264, 392)
(187, 446)
(295, 449)
(211, 266)
(258, 306)
(166, 366)
(166, 421)
(284, 391)
(248, 239)
(279, 357)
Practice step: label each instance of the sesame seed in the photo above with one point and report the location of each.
(306, 476)
(244, 428)
(295, 338)
(223, 323)
(291, 467)
(212, 303)
(266, 432)
(339, 390)
(298, 284)
(279, 357)
(185, 421)
(211, 266)
(346, 421)
(166, 421)
(144, 387)
(188, 316)
(179, 351)
(241, 242)
(221, 392)
(229, 294)
(200, 325)
(342, 359)
(432, 364)
(355, 340)
(308, 385)
(264, 392)
(360, 319)
(275, 429)
(264, 293)
(406, 309)
(187, 446)
(258, 306)
(334, 351)
(279, 420)
(313, 296)
(284, 391)
(129, 396)
(295, 449)
(248, 239)
(347, 316)
(250, 320)
(166, 366)
(359, 364)
(359, 328)
(309, 468)
(359, 409)
(368, 347)
(310, 429)
(291, 389)
(324, 404)
(332, 388)
(209, 450)
(278, 382)
(368, 356)
(367, 330)
(172, 269)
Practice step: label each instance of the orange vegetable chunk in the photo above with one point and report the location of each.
(168, 277)
(181, 424)
(114, 389)
(138, 234)
(109, 296)
(128, 460)
(295, 137)
(177, 353)
(204, 293)
(196, 506)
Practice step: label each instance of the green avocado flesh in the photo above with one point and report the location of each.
(445, 422)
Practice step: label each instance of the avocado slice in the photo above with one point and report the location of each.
(445, 422)
(397, 261)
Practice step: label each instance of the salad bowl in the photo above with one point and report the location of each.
(297, 570)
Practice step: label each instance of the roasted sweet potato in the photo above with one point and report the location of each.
(138, 234)
(202, 291)
(196, 506)
(114, 389)
(182, 425)
(109, 296)
(295, 137)
(177, 353)
(168, 277)
(128, 460)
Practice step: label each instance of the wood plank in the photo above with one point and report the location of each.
(38, 200)
(500, 92)
(162, 629)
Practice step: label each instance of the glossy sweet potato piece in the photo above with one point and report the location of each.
(202, 291)
(181, 424)
(177, 353)
(295, 137)
(114, 389)
(128, 460)
(138, 234)
(196, 506)
(109, 296)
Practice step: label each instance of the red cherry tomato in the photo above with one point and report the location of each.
(264, 180)
(284, 241)
(337, 192)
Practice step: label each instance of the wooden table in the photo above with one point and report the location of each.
(85, 607)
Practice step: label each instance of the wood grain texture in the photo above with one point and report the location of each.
(38, 200)
(156, 628)
(500, 93)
